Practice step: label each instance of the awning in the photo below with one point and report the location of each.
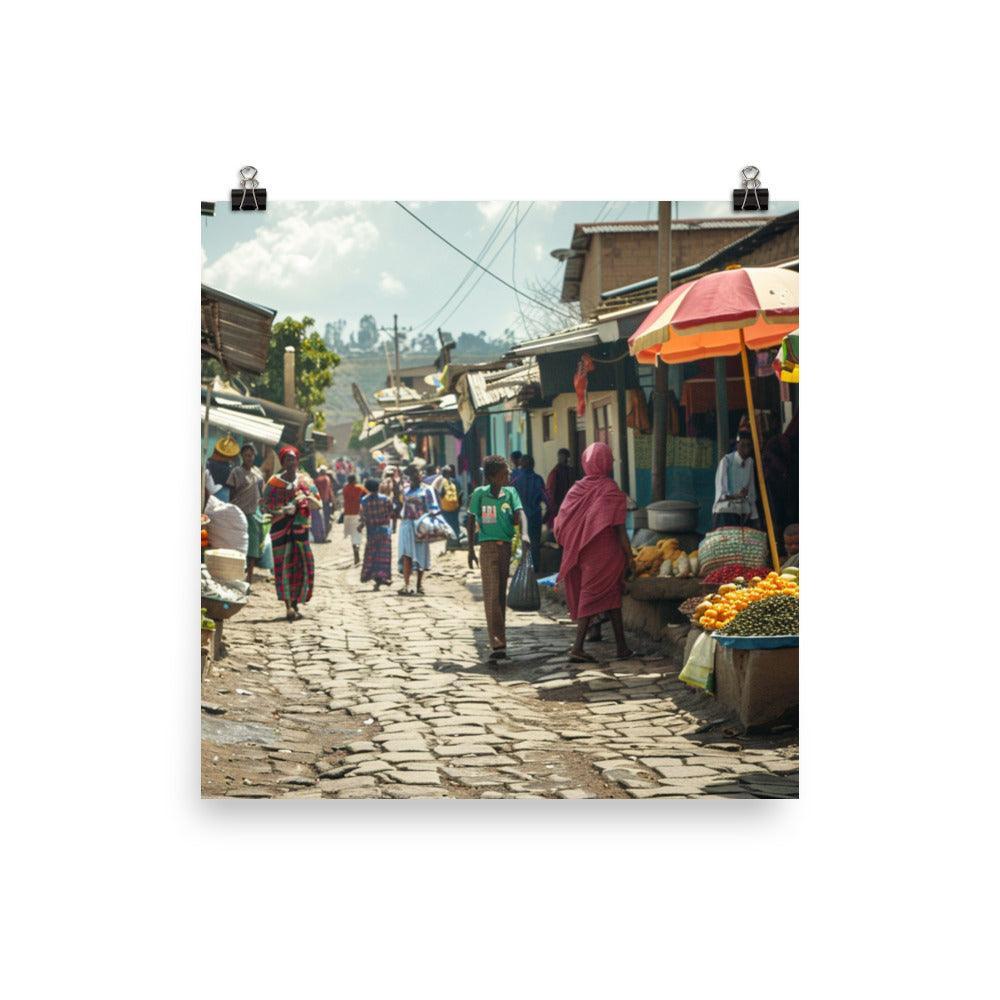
(245, 424)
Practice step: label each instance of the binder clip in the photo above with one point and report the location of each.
(751, 197)
(249, 196)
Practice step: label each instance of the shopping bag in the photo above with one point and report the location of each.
(699, 671)
(266, 560)
(433, 527)
(523, 594)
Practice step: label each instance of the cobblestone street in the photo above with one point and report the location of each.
(377, 695)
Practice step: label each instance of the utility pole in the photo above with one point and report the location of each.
(664, 258)
(396, 331)
(395, 337)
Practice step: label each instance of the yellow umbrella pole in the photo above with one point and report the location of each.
(756, 454)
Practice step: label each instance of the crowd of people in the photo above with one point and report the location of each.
(585, 515)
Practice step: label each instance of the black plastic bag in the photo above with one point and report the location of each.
(523, 594)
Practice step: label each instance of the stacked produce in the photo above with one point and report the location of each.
(665, 558)
(733, 571)
(733, 599)
(776, 615)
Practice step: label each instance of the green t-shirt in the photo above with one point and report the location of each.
(495, 515)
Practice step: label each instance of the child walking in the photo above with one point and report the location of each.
(495, 509)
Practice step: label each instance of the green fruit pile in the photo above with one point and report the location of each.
(778, 615)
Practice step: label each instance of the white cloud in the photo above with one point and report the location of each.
(491, 209)
(305, 244)
(390, 284)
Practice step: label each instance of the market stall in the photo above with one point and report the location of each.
(743, 647)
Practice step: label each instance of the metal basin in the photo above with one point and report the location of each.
(673, 515)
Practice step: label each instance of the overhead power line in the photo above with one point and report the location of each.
(479, 277)
(471, 271)
(471, 260)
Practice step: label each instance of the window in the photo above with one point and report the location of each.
(546, 426)
(602, 426)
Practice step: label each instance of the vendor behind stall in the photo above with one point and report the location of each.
(735, 489)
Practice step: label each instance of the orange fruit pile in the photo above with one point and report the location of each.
(721, 608)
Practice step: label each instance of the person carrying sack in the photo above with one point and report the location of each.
(493, 511)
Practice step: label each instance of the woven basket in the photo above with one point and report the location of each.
(725, 546)
(226, 565)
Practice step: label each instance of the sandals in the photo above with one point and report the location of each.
(499, 654)
(627, 655)
(575, 657)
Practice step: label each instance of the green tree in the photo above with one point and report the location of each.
(355, 443)
(314, 366)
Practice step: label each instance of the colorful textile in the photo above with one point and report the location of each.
(294, 571)
(352, 498)
(593, 562)
(596, 582)
(494, 568)
(375, 518)
(495, 515)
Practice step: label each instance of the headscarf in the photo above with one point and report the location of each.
(288, 449)
(591, 505)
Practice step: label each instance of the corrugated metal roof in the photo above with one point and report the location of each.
(676, 226)
(477, 390)
(236, 332)
(245, 424)
(580, 335)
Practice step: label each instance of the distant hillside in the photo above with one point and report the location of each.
(370, 372)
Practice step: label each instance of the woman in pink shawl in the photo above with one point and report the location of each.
(590, 528)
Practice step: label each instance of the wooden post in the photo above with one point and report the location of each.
(758, 464)
(204, 464)
(622, 417)
(289, 376)
(659, 462)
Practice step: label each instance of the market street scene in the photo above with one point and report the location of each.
(551, 555)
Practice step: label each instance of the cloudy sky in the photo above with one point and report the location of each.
(334, 260)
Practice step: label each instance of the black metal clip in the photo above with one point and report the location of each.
(751, 197)
(249, 196)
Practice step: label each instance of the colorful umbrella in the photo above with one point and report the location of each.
(722, 315)
(707, 317)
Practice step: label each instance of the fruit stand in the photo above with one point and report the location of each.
(744, 648)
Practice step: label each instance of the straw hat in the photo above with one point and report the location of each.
(227, 446)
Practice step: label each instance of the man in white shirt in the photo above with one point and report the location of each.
(735, 488)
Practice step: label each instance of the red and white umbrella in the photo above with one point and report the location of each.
(710, 317)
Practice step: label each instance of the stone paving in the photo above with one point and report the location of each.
(376, 695)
